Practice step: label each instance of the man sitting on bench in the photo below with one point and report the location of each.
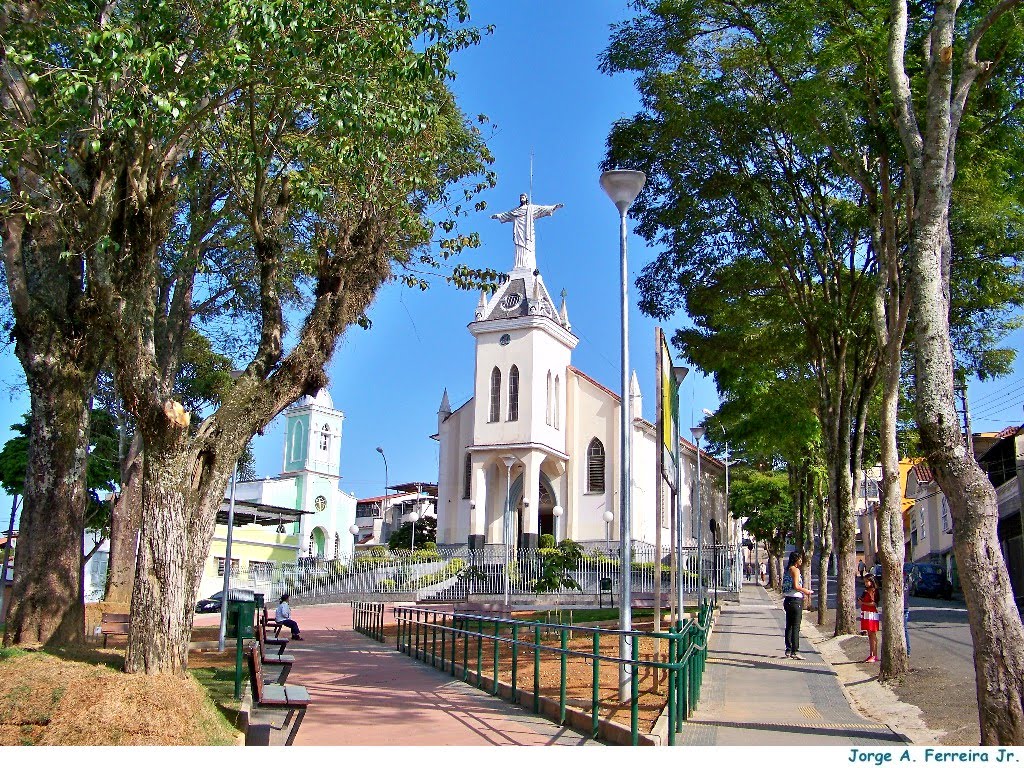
(283, 616)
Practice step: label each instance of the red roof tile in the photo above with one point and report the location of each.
(923, 473)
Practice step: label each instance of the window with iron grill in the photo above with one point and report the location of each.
(467, 475)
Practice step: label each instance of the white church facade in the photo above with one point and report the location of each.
(544, 434)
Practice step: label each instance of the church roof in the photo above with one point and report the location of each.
(322, 398)
(521, 295)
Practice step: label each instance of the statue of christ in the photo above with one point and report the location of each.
(522, 219)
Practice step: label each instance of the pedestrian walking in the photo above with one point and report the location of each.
(793, 592)
(283, 614)
(870, 616)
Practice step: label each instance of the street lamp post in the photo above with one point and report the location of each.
(557, 514)
(698, 433)
(412, 518)
(384, 498)
(623, 186)
(506, 528)
(608, 516)
(354, 530)
(222, 632)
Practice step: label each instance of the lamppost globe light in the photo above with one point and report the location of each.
(622, 186)
(608, 516)
(353, 529)
(413, 517)
(557, 511)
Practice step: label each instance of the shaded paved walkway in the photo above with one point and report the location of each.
(367, 694)
(754, 695)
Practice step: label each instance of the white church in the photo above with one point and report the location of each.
(545, 434)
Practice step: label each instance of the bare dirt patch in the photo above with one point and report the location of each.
(579, 670)
(80, 698)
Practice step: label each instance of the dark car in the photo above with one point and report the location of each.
(210, 605)
(931, 582)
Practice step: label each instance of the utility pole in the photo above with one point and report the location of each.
(968, 432)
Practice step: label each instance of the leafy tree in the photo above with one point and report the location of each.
(426, 532)
(766, 501)
(937, 57)
(14, 459)
(555, 566)
(337, 138)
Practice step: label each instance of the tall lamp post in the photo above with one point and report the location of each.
(557, 514)
(222, 632)
(354, 530)
(506, 527)
(623, 186)
(384, 498)
(698, 433)
(412, 518)
(608, 516)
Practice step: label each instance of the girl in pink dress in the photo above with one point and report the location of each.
(870, 618)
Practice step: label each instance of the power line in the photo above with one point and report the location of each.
(989, 395)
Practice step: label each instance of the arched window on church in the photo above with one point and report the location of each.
(467, 475)
(297, 441)
(555, 405)
(495, 395)
(547, 408)
(595, 467)
(513, 394)
(325, 437)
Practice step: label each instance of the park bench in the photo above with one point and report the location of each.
(272, 698)
(270, 622)
(279, 642)
(113, 624)
(279, 662)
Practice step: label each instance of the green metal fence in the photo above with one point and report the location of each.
(455, 642)
(368, 619)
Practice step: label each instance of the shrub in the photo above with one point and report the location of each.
(547, 541)
(387, 585)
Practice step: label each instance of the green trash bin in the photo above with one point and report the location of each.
(241, 614)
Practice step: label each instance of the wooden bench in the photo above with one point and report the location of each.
(271, 622)
(113, 624)
(274, 698)
(279, 642)
(281, 663)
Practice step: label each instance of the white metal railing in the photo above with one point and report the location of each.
(457, 572)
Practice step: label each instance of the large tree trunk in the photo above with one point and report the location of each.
(47, 602)
(890, 526)
(174, 539)
(995, 623)
(824, 555)
(838, 453)
(125, 520)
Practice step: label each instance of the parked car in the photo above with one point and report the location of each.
(931, 582)
(209, 605)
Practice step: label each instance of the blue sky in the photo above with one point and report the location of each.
(536, 78)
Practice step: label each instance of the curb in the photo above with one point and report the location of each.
(869, 698)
